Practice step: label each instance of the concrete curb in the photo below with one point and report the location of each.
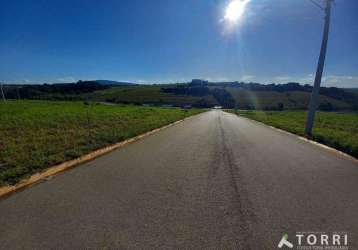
(340, 153)
(54, 170)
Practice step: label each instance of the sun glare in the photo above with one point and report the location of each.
(235, 10)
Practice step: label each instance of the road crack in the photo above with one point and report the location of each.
(225, 178)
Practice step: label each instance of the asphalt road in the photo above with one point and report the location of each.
(214, 181)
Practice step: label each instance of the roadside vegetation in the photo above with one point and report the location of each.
(37, 134)
(151, 95)
(197, 93)
(335, 129)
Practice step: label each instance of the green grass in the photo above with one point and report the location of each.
(146, 94)
(245, 99)
(37, 134)
(270, 99)
(337, 130)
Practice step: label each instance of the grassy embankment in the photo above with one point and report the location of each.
(37, 134)
(245, 99)
(337, 130)
(269, 100)
(146, 94)
(240, 95)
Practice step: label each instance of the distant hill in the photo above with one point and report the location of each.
(198, 93)
(114, 83)
(290, 96)
(52, 91)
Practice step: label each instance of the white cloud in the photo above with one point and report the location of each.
(282, 79)
(216, 79)
(308, 79)
(340, 81)
(246, 78)
(65, 79)
(22, 81)
(140, 81)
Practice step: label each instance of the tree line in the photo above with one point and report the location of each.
(34, 91)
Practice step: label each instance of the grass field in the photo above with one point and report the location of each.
(337, 130)
(37, 134)
(146, 94)
(209, 95)
(245, 99)
(270, 99)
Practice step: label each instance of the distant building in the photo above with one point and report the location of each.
(198, 82)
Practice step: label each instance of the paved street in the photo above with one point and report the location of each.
(214, 181)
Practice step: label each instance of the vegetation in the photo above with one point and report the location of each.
(151, 95)
(52, 91)
(198, 93)
(228, 96)
(337, 130)
(38, 134)
(289, 100)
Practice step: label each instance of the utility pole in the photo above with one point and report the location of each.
(2, 92)
(317, 83)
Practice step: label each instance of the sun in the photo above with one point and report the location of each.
(235, 10)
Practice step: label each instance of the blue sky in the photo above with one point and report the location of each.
(174, 40)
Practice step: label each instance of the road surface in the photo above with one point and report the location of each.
(214, 181)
